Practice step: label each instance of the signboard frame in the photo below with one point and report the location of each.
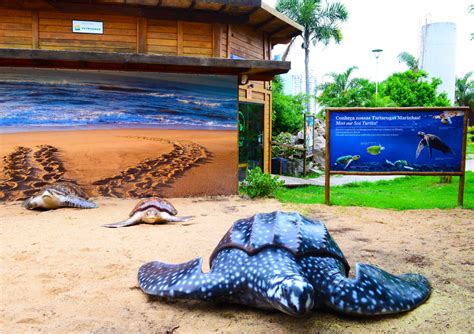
(460, 173)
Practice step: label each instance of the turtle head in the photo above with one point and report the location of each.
(421, 134)
(293, 295)
(31, 203)
(355, 157)
(151, 215)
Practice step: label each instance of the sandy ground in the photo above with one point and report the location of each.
(62, 272)
(121, 162)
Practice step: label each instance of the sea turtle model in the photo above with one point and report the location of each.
(375, 149)
(399, 164)
(431, 141)
(285, 261)
(347, 160)
(59, 195)
(151, 210)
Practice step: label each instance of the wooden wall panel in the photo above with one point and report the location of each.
(162, 37)
(15, 29)
(55, 33)
(197, 39)
(246, 43)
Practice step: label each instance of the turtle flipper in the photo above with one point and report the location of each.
(72, 201)
(421, 146)
(179, 219)
(372, 292)
(185, 280)
(129, 222)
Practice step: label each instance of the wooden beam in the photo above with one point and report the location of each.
(264, 23)
(279, 29)
(259, 70)
(142, 27)
(35, 30)
(183, 14)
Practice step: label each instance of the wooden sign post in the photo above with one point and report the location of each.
(396, 141)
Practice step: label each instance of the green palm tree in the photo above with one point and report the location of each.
(320, 21)
(341, 82)
(410, 60)
(464, 93)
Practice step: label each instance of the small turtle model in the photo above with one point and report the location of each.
(151, 210)
(431, 141)
(59, 195)
(375, 149)
(347, 160)
(285, 261)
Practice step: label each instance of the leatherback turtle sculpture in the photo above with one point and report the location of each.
(151, 210)
(287, 262)
(59, 195)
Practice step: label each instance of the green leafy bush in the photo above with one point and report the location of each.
(258, 184)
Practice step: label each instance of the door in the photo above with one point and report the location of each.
(250, 137)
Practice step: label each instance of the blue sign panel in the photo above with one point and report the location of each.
(393, 141)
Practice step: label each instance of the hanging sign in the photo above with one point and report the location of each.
(87, 27)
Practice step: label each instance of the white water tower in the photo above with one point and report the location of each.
(438, 54)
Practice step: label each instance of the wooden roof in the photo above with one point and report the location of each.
(253, 69)
(253, 13)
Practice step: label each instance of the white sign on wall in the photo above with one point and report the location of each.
(87, 27)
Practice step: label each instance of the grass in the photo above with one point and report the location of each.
(411, 192)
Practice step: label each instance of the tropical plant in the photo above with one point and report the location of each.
(344, 91)
(412, 89)
(410, 60)
(258, 184)
(320, 21)
(288, 110)
(464, 93)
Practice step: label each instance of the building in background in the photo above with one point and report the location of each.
(438, 54)
(294, 84)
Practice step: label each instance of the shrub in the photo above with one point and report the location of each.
(258, 184)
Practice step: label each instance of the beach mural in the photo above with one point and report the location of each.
(394, 141)
(117, 134)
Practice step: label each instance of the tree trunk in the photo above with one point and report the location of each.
(306, 73)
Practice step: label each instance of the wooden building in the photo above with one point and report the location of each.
(214, 37)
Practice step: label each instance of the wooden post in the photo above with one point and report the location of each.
(229, 35)
(463, 159)
(35, 30)
(179, 50)
(327, 176)
(216, 40)
(142, 26)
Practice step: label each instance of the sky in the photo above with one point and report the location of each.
(394, 26)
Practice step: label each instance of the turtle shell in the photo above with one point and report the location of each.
(288, 230)
(154, 202)
(66, 188)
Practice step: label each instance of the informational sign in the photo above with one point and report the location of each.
(309, 134)
(395, 141)
(87, 27)
(381, 141)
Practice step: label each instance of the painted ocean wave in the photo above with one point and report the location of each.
(24, 104)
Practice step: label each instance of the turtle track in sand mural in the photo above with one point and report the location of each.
(25, 170)
(146, 178)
